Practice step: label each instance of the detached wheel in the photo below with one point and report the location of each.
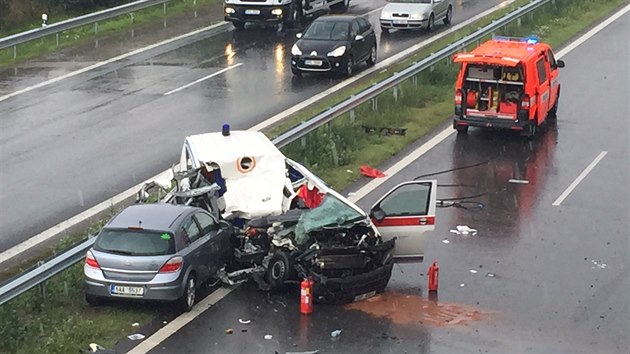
(371, 60)
(187, 301)
(431, 23)
(238, 25)
(92, 300)
(449, 15)
(278, 270)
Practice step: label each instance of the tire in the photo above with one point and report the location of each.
(278, 270)
(553, 112)
(187, 301)
(461, 129)
(341, 6)
(296, 72)
(449, 15)
(93, 300)
(349, 70)
(384, 31)
(295, 15)
(431, 23)
(371, 60)
(531, 132)
(238, 24)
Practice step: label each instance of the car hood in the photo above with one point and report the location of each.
(405, 8)
(321, 47)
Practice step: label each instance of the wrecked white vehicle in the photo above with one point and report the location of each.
(291, 224)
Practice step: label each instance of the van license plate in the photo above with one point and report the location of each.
(400, 22)
(252, 12)
(313, 62)
(126, 290)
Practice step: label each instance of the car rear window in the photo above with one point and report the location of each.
(135, 242)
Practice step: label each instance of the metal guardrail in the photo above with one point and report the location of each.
(48, 269)
(55, 265)
(95, 17)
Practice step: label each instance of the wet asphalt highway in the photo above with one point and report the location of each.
(70, 145)
(561, 274)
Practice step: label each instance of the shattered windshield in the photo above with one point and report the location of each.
(331, 212)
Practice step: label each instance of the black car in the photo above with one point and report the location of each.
(334, 43)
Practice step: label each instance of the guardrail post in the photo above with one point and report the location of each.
(353, 116)
(375, 103)
(165, 8)
(132, 18)
(414, 81)
(14, 52)
(57, 38)
(42, 285)
(395, 92)
(95, 27)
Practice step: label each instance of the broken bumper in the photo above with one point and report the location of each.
(352, 288)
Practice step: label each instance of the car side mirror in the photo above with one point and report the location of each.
(299, 35)
(560, 64)
(377, 213)
(358, 37)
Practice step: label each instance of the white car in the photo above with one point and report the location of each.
(408, 14)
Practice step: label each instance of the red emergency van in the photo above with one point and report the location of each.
(509, 83)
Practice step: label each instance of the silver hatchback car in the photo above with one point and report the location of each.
(157, 252)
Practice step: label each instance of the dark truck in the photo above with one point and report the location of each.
(290, 225)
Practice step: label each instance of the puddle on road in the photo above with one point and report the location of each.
(407, 309)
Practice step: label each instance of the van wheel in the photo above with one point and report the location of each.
(449, 15)
(461, 129)
(187, 301)
(531, 131)
(431, 23)
(554, 110)
(238, 24)
(278, 269)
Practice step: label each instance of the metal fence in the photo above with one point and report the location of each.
(92, 18)
(55, 265)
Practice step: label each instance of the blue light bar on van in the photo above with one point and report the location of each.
(528, 40)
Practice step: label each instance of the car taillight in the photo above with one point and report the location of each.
(458, 97)
(525, 102)
(173, 265)
(90, 261)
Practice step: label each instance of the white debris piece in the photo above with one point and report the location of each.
(446, 241)
(464, 230)
(462, 285)
(136, 336)
(519, 181)
(490, 275)
(474, 271)
(268, 336)
(242, 321)
(598, 265)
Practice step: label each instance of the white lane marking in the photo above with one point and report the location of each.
(109, 61)
(64, 225)
(592, 32)
(174, 326)
(404, 162)
(204, 78)
(579, 179)
(379, 66)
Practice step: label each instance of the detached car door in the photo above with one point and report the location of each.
(407, 212)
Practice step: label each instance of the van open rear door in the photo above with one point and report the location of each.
(407, 212)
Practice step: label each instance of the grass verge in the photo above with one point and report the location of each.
(36, 48)
(61, 322)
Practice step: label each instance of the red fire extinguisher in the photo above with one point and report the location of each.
(306, 296)
(433, 273)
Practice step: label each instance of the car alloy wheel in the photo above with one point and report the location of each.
(187, 301)
(431, 23)
(449, 15)
(372, 58)
(349, 67)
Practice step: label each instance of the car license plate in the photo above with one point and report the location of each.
(364, 296)
(400, 22)
(313, 62)
(252, 12)
(126, 290)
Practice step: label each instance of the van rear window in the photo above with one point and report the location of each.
(494, 73)
(135, 242)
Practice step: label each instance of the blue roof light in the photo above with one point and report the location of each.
(532, 40)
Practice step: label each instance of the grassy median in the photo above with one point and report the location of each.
(61, 322)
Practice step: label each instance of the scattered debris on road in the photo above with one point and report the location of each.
(518, 181)
(136, 336)
(335, 333)
(268, 336)
(597, 264)
(242, 321)
(490, 275)
(474, 271)
(446, 241)
(464, 230)
(229, 331)
(135, 324)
